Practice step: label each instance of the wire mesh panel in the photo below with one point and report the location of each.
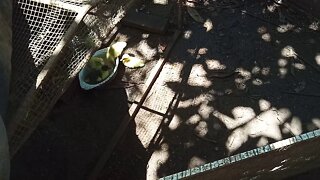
(39, 27)
(45, 59)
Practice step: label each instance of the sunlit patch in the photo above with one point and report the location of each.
(257, 82)
(314, 26)
(283, 72)
(267, 123)
(256, 70)
(198, 71)
(146, 51)
(237, 138)
(175, 123)
(299, 66)
(241, 86)
(266, 37)
(228, 91)
(262, 142)
(201, 129)
(295, 126)
(316, 122)
(191, 51)
(243, 114)
(208, 25)
(158, 158)
(283, 114)
(317, 58)
(265, 71)
(282, 62)
(194, 119)
(262, 30)
(198, 77)
(187, 34)
(244, 73)
(205, 110)
(162, 2)
(196, 161)
(239, 80)
(271, 8)
(122, 37)
(264, 105)
(285, 28)
(145, 36)
(203, 51)
(288, 51)
(213, 64)
(286, 129)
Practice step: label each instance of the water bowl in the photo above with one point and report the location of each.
(83, 73)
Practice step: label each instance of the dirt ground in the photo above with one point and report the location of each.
(250, 79)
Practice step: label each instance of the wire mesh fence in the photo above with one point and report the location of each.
(52, 40)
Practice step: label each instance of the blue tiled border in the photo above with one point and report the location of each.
(244, 155)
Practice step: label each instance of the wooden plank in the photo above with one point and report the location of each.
(275, 161)
(159, 100)
(148, 22)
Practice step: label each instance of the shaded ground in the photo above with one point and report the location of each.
(246, 82)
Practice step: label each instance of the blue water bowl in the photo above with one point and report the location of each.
(83, 73)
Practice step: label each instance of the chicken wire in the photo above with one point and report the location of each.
(39, 29)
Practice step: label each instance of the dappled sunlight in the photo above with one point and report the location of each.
(317, 58)
(262, 141)
(193, 120)
(285, 28)
(294, 127)
(239, 84)
(198, 76)
(288, 51)
(213, 64)
(205, 110)
(316, 122)
(315, 26)
(262, 30)
(175, 123)
(248, 125)
(237, 138)
(282, 62)
(264, 105)
(299, 66)
(208, 25)
(266, 37)
(196, 161)
(158, 158)
(187, 34)
(201, 129)
(283, 72)
(241, 115)
(145, 36)
(145, 50)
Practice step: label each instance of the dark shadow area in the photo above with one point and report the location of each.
(69, 142)
(250, 81)
(249, 76)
